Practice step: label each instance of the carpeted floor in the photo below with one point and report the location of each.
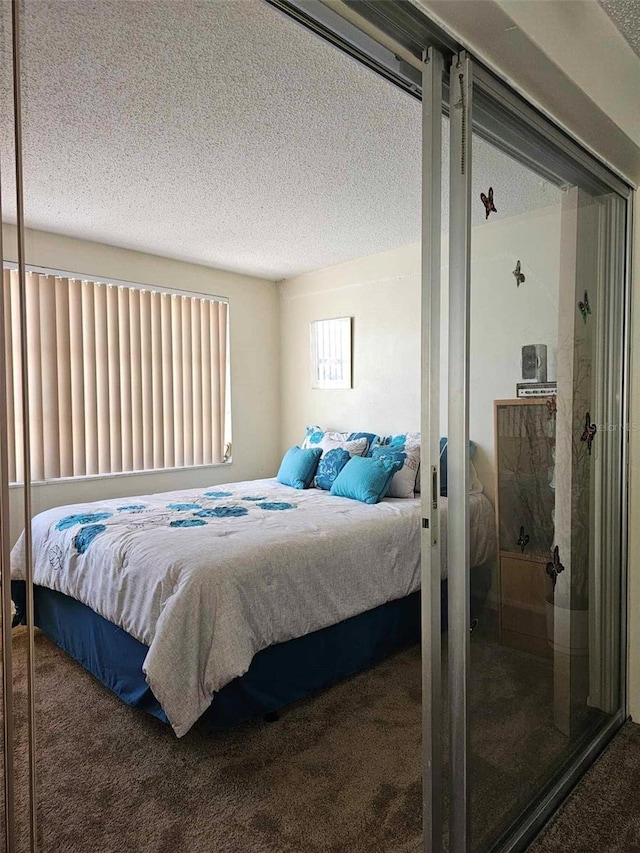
(338, 772)
(602, 815)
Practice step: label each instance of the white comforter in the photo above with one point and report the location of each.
(208, 577)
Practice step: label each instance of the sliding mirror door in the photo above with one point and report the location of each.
(537, 433)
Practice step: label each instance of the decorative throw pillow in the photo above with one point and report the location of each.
(298, 467)
(403, 438)
(407, 438)
(407, 456)
(315, 434)
(365, 479)
(335, 455)
(373, 439)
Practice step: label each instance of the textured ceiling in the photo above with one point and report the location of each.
(625, 14)
(221, 133)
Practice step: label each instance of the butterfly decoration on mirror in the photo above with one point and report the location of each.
(519, 275)
(554, 566)
(585, 308)
(589, 432)
(523, 541)
(552, 407)
(489, 206)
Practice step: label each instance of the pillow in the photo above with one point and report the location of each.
(335, 455)
(315, 434)
(443, 463)
(372, 438)
(365, 479)
(407, 457)
(298, 467)
(403, 438)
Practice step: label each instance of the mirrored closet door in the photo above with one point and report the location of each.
(537, 434)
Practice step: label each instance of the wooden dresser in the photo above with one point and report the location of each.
(525, 499)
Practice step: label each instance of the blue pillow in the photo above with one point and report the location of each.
(330, 465)
(443, 463)
(365, 479)
(298, 467)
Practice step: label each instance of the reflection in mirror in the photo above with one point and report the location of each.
(544, 673)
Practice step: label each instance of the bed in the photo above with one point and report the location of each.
(232, 601)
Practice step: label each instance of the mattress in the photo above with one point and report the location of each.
(207, 578)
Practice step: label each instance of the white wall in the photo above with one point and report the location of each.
(382, 293)
(254, 343)
(566, 57)
(569, 32)
(505, 317)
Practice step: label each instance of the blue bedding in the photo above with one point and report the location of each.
(278, 675)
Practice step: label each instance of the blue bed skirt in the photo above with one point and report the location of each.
(278, 675)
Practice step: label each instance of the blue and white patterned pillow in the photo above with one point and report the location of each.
(373, 439)
(335, 455)
(404, 448)
(314, 435)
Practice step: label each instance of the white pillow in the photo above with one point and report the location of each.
(315, 434)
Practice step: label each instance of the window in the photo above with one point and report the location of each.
(121, 378)
(331, 353)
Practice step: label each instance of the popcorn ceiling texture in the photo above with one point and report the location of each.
(625, 14)
(221, 133)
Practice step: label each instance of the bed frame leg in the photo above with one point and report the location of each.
(272, 717)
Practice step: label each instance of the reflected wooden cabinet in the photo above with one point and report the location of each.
(525, 500)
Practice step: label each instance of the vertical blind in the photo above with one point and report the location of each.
(121, 378)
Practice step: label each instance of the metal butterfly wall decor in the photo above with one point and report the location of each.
(523, 541)
(519, 275)
(589, 432)
(489, 206)
(584, 307)
(554, 567)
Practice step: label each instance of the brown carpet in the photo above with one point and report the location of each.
(602, 815)
(338, 772)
